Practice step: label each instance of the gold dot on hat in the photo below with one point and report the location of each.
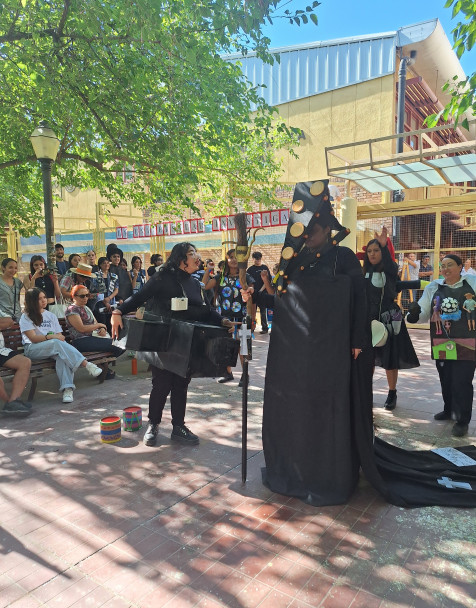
(331, 211)
(305, 236)
(297, 206)
(281, 272)
(296, 229)
(295, 255)
(317, 188)
(285, 276)
(334, 242)
(280, 287)
(284, 290)
(316, 214)
(302, 267)
(347, 230)
(318, 255)
(287, 253)
(326, 198)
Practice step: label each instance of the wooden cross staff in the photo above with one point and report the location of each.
(243, 251)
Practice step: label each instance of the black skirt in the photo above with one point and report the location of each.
(397, 352)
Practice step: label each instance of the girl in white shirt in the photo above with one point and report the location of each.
(43, 338)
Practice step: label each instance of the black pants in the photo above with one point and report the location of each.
(163, 383)
(93, 343)
(456, 378)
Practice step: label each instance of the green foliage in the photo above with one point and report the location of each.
(139, 84)
(463, 92)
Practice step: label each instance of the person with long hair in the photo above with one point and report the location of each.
(43, 338)
(91, 259)
(173, 280)
(156, 260)
(397, 353)
(138, 275)
(10, 287)
(453, 341)
(230, 297)
(86, 333)
(43, 278)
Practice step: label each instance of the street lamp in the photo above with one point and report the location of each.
(46, 144)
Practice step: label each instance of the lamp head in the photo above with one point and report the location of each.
(44, 141)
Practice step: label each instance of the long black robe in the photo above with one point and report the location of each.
(317, 416)
(308, 440)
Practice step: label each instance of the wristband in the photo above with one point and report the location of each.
(116, 312)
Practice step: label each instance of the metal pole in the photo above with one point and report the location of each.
(46, 165)
(402, 85)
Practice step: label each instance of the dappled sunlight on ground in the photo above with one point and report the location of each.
(124, 525)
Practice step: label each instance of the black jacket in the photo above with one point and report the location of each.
(169, 283)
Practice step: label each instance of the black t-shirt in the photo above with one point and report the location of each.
(255, 272)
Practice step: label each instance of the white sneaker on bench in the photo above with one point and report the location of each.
(68, 395)
(93, 369)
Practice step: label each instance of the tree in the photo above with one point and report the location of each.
(463, 92)
(141, 85)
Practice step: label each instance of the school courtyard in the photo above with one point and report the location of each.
(89, 524)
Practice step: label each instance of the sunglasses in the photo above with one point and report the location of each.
(82, 295)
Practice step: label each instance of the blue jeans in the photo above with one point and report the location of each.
(67, 358)
(93, 343)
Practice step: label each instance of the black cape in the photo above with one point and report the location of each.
(317, 415)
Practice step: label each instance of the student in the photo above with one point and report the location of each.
(43, 339)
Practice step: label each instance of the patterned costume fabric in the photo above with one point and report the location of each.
(229, 301)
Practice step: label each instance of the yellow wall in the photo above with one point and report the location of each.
(354, 113)
(77, 211)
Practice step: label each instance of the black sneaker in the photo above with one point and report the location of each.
(226, 378)
(184, 435)
(459, 429)
(264, 331)
(150, 437)
(15, 408)
(442, 416)
(391, 402)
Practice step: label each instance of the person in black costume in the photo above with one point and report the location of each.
(317, 412)
(320, 332)
(382, 275)
(172, 280)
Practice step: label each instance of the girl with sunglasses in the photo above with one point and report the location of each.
(86, 333)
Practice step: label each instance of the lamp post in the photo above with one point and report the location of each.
(46, 144)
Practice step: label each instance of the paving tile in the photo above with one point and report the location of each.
(73, 533)
(25, 602)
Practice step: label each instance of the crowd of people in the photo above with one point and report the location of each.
(92, 291)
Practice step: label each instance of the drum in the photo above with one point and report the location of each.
(132, 418)
(110, 429)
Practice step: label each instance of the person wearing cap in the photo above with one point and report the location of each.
(381, 273)
(319, 369)
(79, 275)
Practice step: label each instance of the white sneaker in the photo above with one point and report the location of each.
(94, 370)
(68, 395)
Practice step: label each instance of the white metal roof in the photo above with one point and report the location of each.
(317, 67)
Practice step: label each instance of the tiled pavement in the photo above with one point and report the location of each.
(86, 524)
